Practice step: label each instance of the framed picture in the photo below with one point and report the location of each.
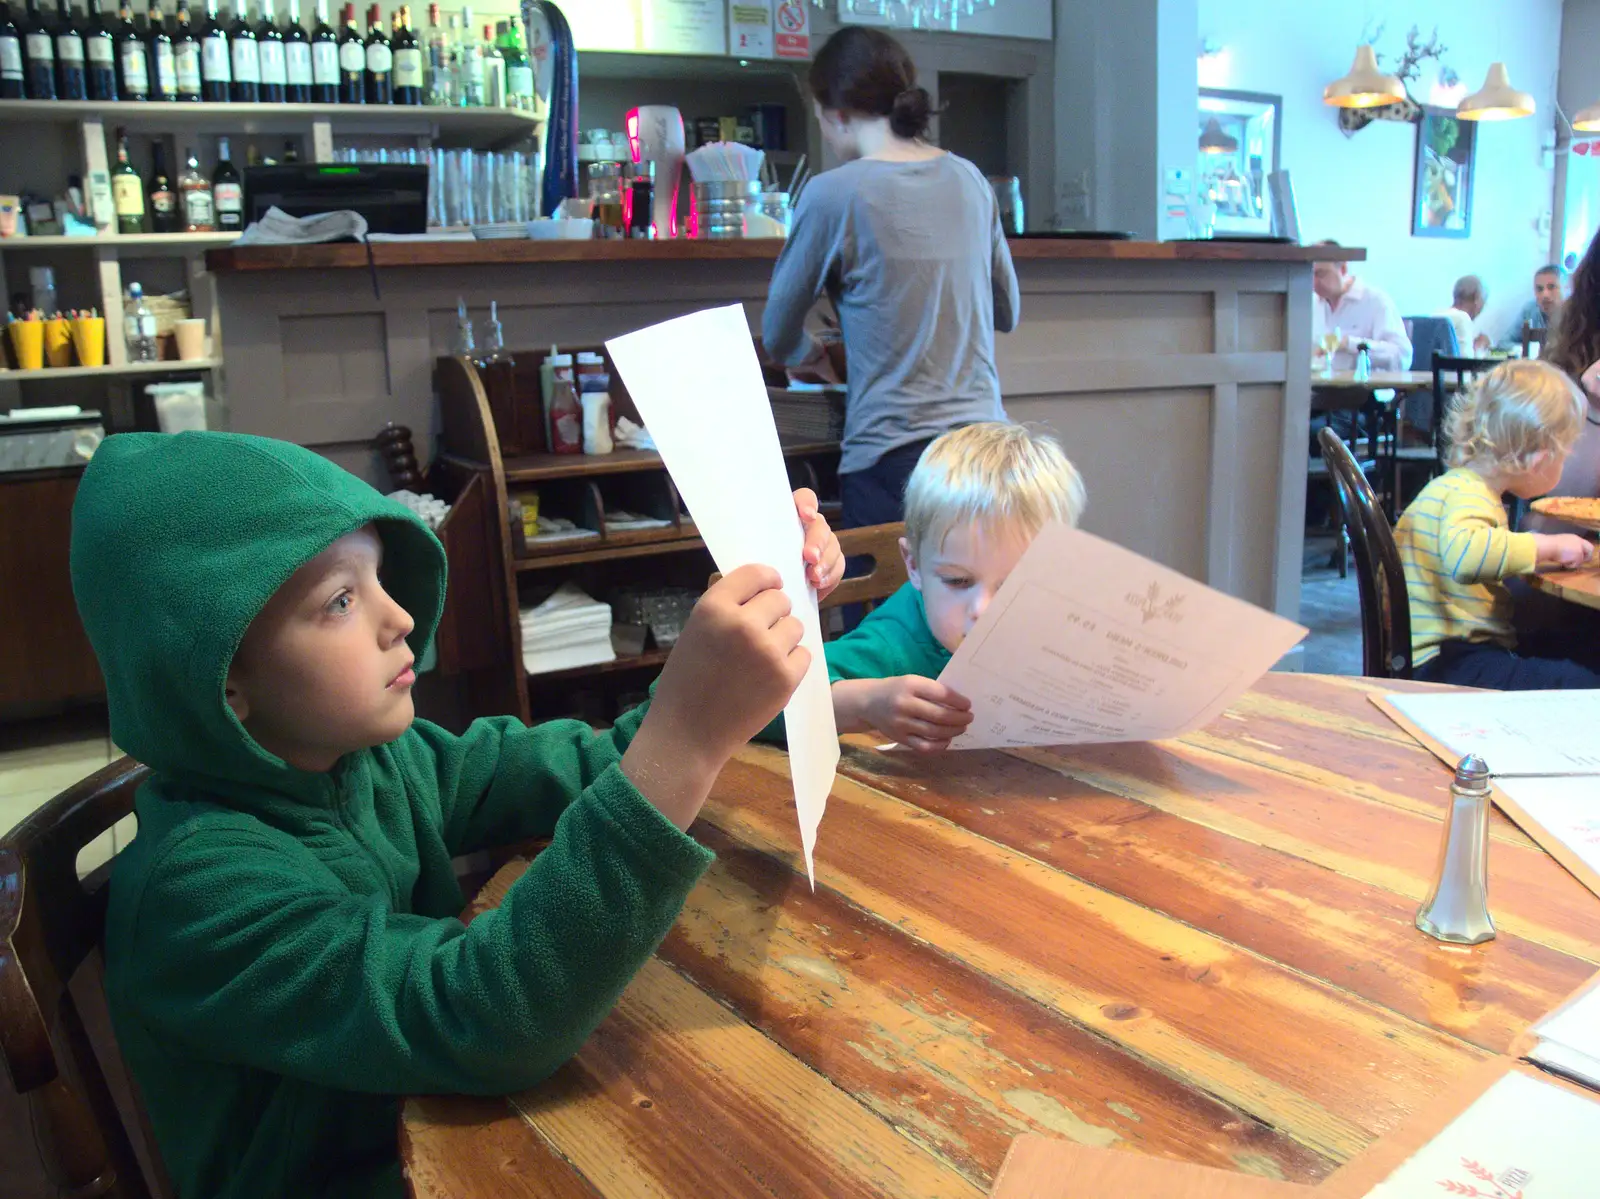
(1441, 198)
(1241, 135)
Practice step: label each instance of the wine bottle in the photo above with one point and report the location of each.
(469, 92)
(39, 55)
(194, 190)
(494, 71)
(12, 72)
(324, 59)
(297, 57)
(100, 52)
(274, 66)
(227, 191)
(380, 60)
(163, 200)
(127, 189)
(440, 84)
(352, 61)
(246, 57)
(163, 58)
(216, 60)
(71, 79)
(133, 63)
(407, 60)
(519, 70)
(186, 52)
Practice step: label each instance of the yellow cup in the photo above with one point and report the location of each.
(89, 339)
(58, 341)
(27, 339)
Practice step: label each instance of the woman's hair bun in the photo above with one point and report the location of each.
(913, 109)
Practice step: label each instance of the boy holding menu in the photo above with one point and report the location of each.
(974, 503)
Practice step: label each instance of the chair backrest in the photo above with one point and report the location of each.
(1431, 336)
(1451, 375)
(50, 922)
(886, 575)
(1385, 607)
(1531, 337)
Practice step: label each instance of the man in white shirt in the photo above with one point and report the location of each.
(1361, 314)
(1467, 305)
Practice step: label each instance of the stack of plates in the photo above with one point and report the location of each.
(501, 231)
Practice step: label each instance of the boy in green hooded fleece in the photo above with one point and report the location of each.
(974, 503)
(283, 957)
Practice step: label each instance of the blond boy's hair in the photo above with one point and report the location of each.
(1516, 411)
(990, 474)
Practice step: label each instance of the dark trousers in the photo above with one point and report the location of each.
(1477, 664)
(875, 496)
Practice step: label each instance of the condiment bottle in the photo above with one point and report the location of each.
(640, 200)
(556, 366)
(566, 419)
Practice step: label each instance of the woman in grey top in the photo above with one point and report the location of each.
(906, 241)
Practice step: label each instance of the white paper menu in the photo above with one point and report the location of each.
(1521, 1139)
(1088, 642)
(1514, 732)
(698, 386)
(1569, 1039)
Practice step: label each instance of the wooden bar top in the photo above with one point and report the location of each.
(350, 256)
(1200, 949)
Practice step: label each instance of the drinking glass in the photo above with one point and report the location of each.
(1330, 343)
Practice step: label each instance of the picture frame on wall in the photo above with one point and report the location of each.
(1240, 144)
(1441, 189)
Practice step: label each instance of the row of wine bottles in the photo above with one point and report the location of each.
(246, 61)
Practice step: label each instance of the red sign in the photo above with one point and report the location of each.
(791, 25)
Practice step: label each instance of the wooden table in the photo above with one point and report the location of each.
(1201, 950)
(1323, 387)
(1580, 586)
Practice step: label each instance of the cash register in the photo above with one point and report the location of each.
(393, 197)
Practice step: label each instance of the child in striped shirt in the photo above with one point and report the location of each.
(1512, 433)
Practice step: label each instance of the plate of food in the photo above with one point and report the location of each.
(1574, 509)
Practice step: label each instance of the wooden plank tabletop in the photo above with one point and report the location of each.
(1376, 381)
(1575, 586)
(1201, 950)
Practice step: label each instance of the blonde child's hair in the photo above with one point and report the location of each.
(1516, 411)
(991, 474)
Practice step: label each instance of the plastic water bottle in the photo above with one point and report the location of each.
(139, 326)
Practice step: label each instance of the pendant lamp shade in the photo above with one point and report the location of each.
(1587, 120)
(1496, 100)
(1214, 141)
(1365, 86)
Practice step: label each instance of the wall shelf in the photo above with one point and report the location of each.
(492, 124)
(111, 372)
(147, 243)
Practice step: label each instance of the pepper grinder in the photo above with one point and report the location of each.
(1457, 909)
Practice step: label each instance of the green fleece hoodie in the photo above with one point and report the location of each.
(283, 956)
(892, 641)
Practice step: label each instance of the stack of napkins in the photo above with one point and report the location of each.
(569, 629)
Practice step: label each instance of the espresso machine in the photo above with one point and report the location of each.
(655, 135)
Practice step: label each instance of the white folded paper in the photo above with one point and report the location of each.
(698, 386)
(1088, 642)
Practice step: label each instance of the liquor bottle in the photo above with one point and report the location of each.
(437, 59)
(133, 63)
(227, 191)
(519, 69)
(195, 195)
(274, 65)
(71, 81)
(246, 57)
(352, 61)
(407, 60)
(469, 65)
(324, 59)
(127, 190)
(163, 57)
(291, 152)
(186, 52)
(494, 71)
(100, 52)
(39, 55)
(297, 57)
(12, 72)
(216, 60)
(163, 200)
(380, 60)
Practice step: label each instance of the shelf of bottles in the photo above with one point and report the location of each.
(251, 73)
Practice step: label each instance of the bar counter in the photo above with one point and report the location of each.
(1175, 373)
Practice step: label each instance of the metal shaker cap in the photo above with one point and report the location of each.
(1472, 774)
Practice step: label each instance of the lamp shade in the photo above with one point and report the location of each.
(1365, 86)
(1496, 100)
(1214, 141)
(1587, 120)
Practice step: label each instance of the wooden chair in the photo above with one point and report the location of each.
(50, 922)
(1451, 375)
(887, 574)
(1532, 337)
(1385, 606)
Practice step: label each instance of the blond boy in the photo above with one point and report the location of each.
(976, 500)
(1512, 433)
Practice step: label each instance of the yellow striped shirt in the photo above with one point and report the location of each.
(1456, 547)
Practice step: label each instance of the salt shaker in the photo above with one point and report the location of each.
(1363, 370)
(1457, 909)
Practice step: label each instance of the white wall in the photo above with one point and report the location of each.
(1358, 190)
